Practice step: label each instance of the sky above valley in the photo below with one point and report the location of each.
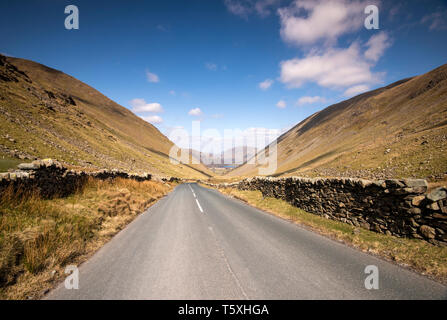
(228, 64)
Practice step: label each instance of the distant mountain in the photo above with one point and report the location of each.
(227, 159)
(396, 131)
(46, 113)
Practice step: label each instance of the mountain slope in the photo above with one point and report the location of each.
(395, 131)
(46, 113)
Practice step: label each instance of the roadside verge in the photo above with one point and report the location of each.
(40, 237)
(417, 255)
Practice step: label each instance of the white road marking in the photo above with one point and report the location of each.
(198, 204)
(192, 191)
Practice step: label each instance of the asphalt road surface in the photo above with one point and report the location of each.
(199, 244)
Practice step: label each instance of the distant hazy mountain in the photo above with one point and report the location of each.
(227, 159)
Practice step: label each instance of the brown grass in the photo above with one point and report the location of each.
(39, 237)
(417, 255)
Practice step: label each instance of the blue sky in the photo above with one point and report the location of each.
(229, 63)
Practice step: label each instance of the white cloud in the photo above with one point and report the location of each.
(172, 93)
(140, 105)
(263, 7)
(238, 8)
(211, 66)
(152, 119)
(336, 68)
(266, 84)
(436, 20)
(353, 91)
(377, 45)
(310, 100)
(281, 104)
(244, 8)
(395, 10)
(152, 77)
(195, 112)
(308, 21)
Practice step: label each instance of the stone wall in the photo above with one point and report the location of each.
(402, 208)
(51, 179)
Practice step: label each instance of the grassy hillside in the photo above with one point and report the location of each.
(396, 131)
(48, 114)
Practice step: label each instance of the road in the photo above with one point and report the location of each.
(199, 244)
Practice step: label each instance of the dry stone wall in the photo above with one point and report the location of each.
(402, 208)
(51, 179)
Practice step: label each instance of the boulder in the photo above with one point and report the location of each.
(437, 194)
(27, 166)
(428, 232)
(416, 201)
(415, 183)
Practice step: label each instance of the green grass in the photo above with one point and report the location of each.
(416, 254)
(6, 164)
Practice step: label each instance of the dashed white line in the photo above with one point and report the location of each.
(192, 191)
(197, 201)
(198, 204)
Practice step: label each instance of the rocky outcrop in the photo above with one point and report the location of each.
(401, 208)
(51, 179)
(10, 73)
